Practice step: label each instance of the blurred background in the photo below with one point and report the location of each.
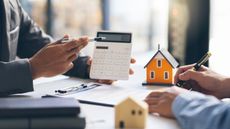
(187, 28)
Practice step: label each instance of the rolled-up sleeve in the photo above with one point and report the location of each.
(194, 110)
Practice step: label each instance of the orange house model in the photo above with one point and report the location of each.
(159, 70)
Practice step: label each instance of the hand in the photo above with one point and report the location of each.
(131, 72)
(56, 58)
(161, 102)
(204, 80)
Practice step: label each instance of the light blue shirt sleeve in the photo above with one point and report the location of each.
(194, 110)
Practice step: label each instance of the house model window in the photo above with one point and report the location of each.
(159, 63)
(166, 75)
(152, 75)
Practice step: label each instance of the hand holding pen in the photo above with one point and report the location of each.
(202, 80)
(196, 67)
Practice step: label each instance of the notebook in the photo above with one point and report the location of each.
(31, 107)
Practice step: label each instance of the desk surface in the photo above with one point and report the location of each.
(99, 117)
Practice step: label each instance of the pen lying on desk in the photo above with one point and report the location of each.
(81, 101)
(75, 89)
(66, 40)
(197, 66)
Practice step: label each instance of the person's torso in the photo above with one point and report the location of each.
(9, 30)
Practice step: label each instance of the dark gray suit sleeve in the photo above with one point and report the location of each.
(15, 77)
(32, 38)
(80, 69)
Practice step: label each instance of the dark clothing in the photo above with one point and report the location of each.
(20, 36)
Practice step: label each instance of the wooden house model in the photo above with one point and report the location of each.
(160, 69)
(131, 113)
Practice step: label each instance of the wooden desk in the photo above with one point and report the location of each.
(99, 117)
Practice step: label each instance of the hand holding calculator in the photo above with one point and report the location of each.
(111, 57)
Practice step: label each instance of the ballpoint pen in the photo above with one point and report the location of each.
(75, 89)
(197, 66)
(66, 40)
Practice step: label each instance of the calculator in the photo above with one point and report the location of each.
(111, 56)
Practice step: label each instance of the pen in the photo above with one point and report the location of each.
(197, 66)
(66, 40)
(97, 39)
(80, 88)
(81, 101)
(71, 89)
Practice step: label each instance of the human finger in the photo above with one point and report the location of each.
(155, 94)
(66, 36)
(132, 61)
(70, 66)
(72, 58)
(89, 61)
(180, 70)
(152, 101)
(131, 72)
(73, 44)
(203, 68)
(191, 75)
(72, 52)
(154, 108)
(106, 81)
(84, 40)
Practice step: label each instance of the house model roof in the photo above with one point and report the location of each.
(167, 56)
(130, 99)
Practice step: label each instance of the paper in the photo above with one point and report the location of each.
(108, 94)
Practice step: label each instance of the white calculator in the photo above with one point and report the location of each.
(111, 57)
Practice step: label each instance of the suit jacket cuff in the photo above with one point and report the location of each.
(80, 69)
(18, 78)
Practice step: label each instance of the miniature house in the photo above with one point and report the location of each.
(131, 113)
(159, 70)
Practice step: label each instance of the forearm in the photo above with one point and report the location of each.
(197, 111)
(15, 77)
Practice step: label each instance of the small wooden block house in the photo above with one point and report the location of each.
(131, 113)
(159, 70)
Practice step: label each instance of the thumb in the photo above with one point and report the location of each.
(60, 40)
(70, 66)
(190, 75)
(89, 61)
(66, 36)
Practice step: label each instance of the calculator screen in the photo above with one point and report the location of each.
(115, 37)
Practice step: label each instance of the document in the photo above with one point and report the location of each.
(104, 94)
(110, 94)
